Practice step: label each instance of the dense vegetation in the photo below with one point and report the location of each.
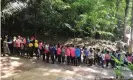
(73, 18)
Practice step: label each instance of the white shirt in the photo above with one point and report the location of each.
(91, 55)
(103, 56)
(99, 54)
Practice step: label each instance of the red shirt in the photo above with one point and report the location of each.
(67, 51)
(72, 50)
(58, 51)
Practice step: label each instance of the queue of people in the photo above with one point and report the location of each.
(62, 54)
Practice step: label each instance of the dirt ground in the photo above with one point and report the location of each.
(15, 68)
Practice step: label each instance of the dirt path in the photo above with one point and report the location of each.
(14, 68)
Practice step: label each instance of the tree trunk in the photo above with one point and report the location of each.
(117, 10)
(132, 29)
(125, 18)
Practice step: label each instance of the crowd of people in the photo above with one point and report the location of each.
(62, 54)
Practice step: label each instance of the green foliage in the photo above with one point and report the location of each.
(86, 17)
(105, 35)
(118, 68)
(130, 66)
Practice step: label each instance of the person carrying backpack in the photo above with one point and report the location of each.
(30, 50)
(36, 49)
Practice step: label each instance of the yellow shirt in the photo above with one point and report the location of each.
(35, 45)
(30, 44)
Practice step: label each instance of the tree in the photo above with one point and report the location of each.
(76, 17)
(125, 17)
(132, 29)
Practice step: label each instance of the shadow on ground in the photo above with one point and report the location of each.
(14, 68)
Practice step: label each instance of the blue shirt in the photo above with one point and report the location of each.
(86, 52)
(53, 50)
(77, 52)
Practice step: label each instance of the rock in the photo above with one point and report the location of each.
(121, 45)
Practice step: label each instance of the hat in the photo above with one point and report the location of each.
(14, 37)
(36, 41)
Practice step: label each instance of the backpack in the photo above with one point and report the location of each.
(30, 44)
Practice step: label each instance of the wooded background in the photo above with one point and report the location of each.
(112, 19)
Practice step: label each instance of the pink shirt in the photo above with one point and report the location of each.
(40, 45)
(72, 50)
(58, 51)
(24, 41)
(67, 51)
(46, 49)
(18, 43)
(129, 58)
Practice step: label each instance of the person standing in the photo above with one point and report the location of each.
(36, 49)
(107, 58)
(129, 58)
(5, 46)
(86, 53)
(18, 45)
(77, 54)
(68, 54)
(53, 52)
(59, 54)
(30, 50)
(98, 56)
(46, 51)
(72, 53)
(63, 51)
(112, 59)
(125, 59)
(91, 57)
(14, 46)
(25, 45)
(102, 59)
(2, 48)
(22, 47)
(41, 47)
(10, 45)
